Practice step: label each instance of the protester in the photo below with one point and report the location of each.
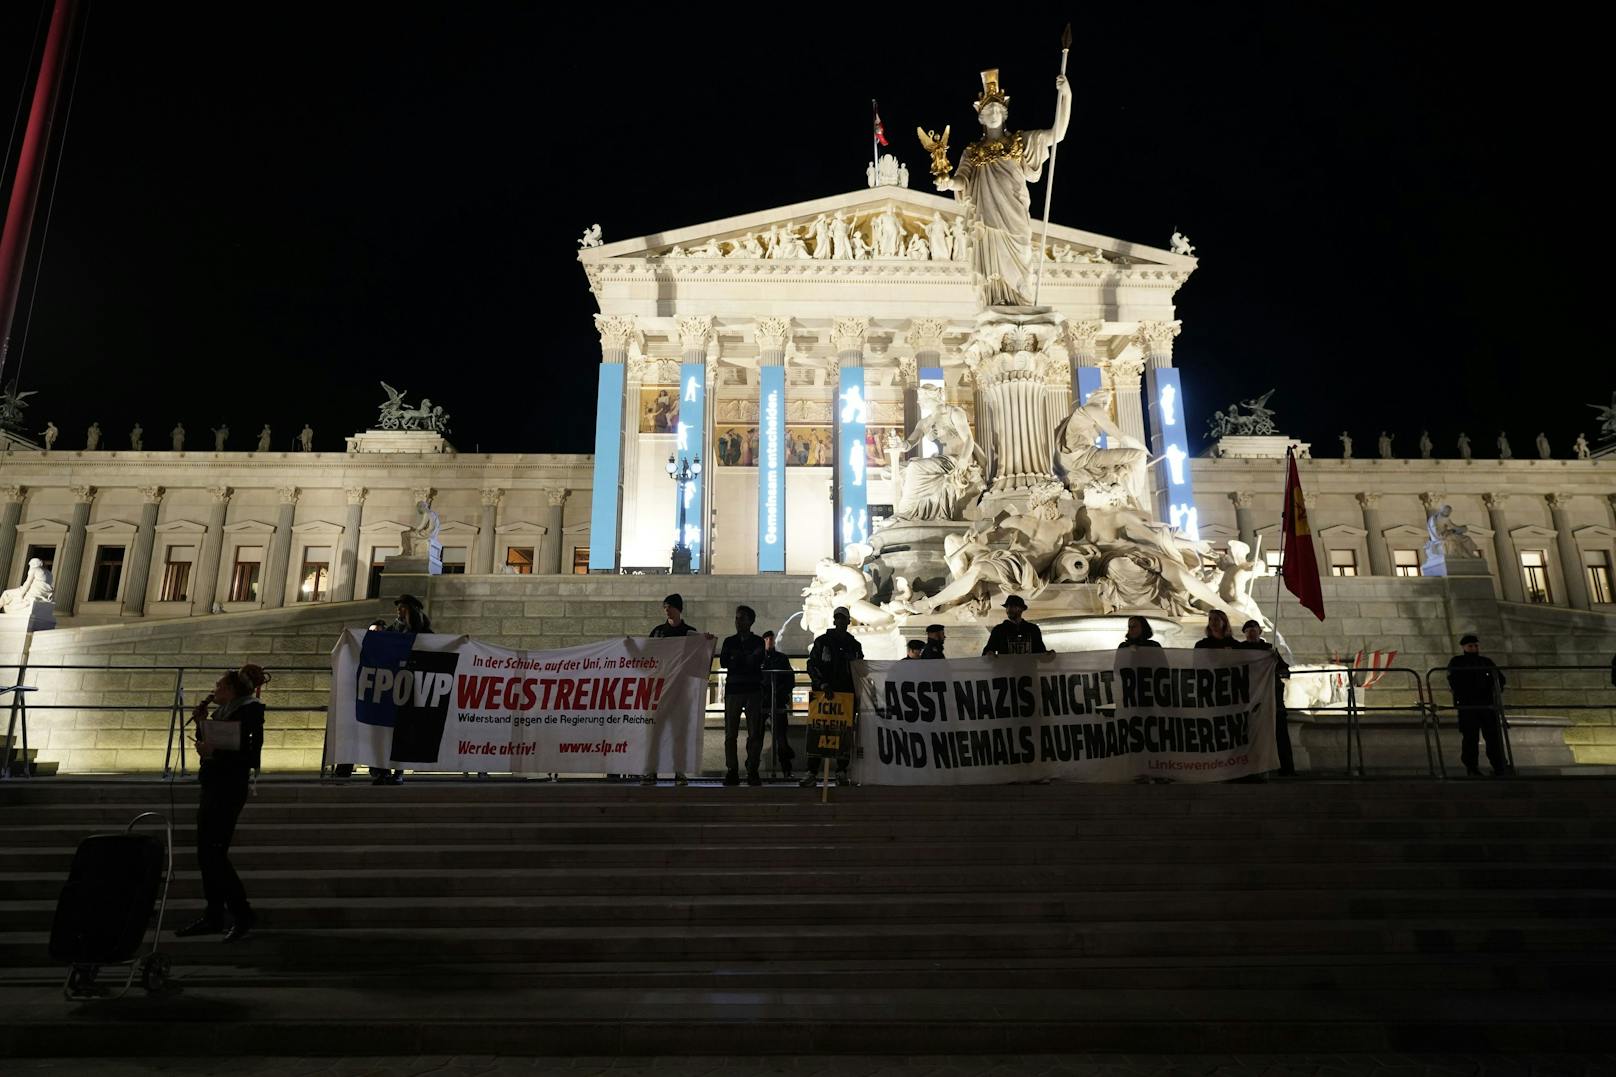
(936, 636)
(408, 616)
(915, 648)
(1218, 633)
(1476, 683)
(1252, 630)
(1015, 635)
(778, 679)
(225, 777)
(742, 658)
(830, 669)
(1139, 634)
(673, 624)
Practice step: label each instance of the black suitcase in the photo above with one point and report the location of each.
(106, 908)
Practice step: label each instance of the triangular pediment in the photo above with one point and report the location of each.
(795, 233)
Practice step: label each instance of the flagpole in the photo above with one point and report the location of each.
(875, 144)
(1049, 188)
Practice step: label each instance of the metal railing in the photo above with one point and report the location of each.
(178, 712)
(1355, 680)
(1601, 675)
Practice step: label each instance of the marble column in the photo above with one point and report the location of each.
(554, 519)
(1565, 542)
(615, 398)
(772, 335)
(1155, 341)
(347, 581)
(206, 587)
(925, 336)
(1310, 499)
(1058, 398)
(1509, 565)
(1124, 376)
(1380, 558)
(140, 555)
(1243, 522)
(71, 561)
(851, 495)
(698, 349)
(280, 551)
(10, 514)
(483, 561)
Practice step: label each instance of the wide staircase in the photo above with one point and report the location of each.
(538, 918)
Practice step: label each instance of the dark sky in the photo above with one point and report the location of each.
(263, 210)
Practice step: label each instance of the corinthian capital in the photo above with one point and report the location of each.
(1059, 373)
(1368, 501)
(1558, 501)
(556, 497)
(847, 334)
(288, 495)
(908, 371)
(1156, 338)
(1125, 373)
(1242, 499)
(1080, 337)
(772, 333)
(926, 334)
(492, 496)
(1492, 501)
(151, 495)
(84, 493)
(616, 330)
(356, 495)
(12, 493)
(695, 332)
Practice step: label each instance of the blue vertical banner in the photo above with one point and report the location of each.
(771, 549)
(603, 496)
(1167, 402)
(852, 492)
(691, 435)
(1088, 380)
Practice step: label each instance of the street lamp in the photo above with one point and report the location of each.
(682, 472)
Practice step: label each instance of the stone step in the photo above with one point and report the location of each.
(304, 913)
(471, 856)
(443, 1017)
(943, 941)
(1418, 881)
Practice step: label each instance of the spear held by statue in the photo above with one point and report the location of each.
(1049, 189)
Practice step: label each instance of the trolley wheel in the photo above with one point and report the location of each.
(154, 970)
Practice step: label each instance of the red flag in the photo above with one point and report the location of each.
(880, 132)
(1301, 563)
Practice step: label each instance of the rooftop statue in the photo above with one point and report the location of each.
(397, 414)
(1180, 244)
(590, 238)
(1607, 417)
(12, 404)
(1464, 446)
(1258, 421)
(1582, 450)
(991, 186)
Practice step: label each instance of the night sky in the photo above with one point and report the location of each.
(261, 213)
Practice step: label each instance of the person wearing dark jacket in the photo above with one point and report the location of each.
(225, 777)
(409, 616)
(1218, 633)
(914, 650)
(778, 679)
(830, 669)
(1282, 672)
(1139, 634)
(1015, 635)
(741, 656)
(936, 636)
(1475, 682)
(673, 624)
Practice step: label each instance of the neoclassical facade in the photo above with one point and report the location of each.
(177, 534)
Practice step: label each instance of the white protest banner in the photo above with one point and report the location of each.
(441, 702)
(1096, 716)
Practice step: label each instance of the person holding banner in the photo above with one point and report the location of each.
(1014, 635)
(1252, 630)
(1218, 633)
(674, 624)
(741, 657)
(1139, 634)
(830, 669)
(778, 678)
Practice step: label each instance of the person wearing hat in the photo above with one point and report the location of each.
(1476, 683)
(830, 669)
(673, 624)
(936, 635)
(1253, 641)
(1014, 635)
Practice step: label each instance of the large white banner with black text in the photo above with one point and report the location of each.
(1098, 716)
(441, 702)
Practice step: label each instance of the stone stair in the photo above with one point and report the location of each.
(531, 917)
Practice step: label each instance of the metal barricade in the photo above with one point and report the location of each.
(1599, 676)
(1356, 680)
